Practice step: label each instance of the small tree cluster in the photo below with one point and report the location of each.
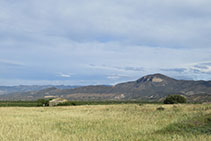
(44, 102)
(174, 99)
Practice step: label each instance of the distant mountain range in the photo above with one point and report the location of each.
(26, 88)
(151, 87)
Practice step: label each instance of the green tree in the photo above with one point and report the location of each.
(174, 99)
(44, 102)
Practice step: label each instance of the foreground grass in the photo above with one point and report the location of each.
(107, 122)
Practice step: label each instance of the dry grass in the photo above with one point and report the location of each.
(99, 122)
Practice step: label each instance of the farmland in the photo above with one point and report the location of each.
(107, 122)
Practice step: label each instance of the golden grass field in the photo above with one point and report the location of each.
(106, 122)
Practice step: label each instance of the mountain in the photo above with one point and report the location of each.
(150, 87)
(157, 86)
(26, 88)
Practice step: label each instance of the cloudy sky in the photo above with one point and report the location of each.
(84, 42)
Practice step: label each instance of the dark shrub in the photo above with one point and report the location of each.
(69, 103)
(141, 104)
(73, 103)
(160, 108)
(174, 99)
(44, 102)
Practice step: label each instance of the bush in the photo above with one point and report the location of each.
(160, 109)
(174, 99)
(67, 104)
(44, 102)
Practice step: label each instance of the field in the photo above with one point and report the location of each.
(39, 103)
(142, 122)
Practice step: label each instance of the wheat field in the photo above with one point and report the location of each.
(129, 122)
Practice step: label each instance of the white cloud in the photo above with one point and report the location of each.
(65, 75)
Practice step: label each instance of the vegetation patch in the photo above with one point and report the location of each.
(160, 109)
(21, 103)
(175, 99)
(200, 124)
(45, 102)
(78, 103)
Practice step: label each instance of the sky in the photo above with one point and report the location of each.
(92, 42)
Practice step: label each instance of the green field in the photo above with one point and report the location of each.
(39, 103)
(107, 122)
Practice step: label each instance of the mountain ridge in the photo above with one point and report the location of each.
(26, 88)
(149, 87)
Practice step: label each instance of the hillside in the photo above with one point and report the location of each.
(150, 87)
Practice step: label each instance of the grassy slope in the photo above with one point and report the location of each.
(106, 122)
